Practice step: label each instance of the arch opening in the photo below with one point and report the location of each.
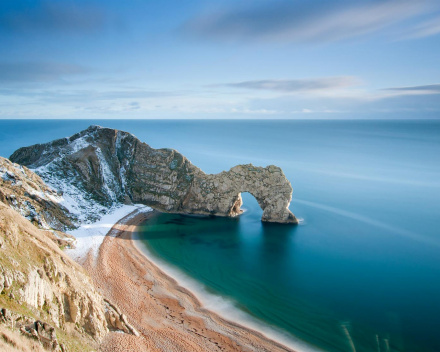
(237, 203)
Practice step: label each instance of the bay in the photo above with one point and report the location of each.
(361, 270)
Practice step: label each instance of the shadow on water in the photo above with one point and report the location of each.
(163, 225)
(278, 234)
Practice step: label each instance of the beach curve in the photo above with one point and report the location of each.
(168, 316)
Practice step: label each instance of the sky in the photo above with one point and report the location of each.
(204, 59)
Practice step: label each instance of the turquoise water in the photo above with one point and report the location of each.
(361, 271)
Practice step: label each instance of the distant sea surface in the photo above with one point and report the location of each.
(362, 270)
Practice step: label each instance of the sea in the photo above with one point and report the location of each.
(361, 271)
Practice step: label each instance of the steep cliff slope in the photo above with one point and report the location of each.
(102, 167)
(43, 293)
(26, 192)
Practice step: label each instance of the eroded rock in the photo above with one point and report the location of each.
(25, 192)
(42, 332)
(116, 320)
(108, 166)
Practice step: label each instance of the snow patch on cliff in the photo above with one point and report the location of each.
(78, 144)
(109, 181)
(70, 196)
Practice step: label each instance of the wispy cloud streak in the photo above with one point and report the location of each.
(426, 89)
(297, 85)
(425, 29)
(296, 21)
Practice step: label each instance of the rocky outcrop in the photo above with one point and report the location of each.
(16, 336)
(117, 321)
(43, 333)
(103, 167)
(25, 192)
(37, 330)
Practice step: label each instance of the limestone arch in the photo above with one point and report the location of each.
(220, 194)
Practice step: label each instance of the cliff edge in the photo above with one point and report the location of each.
(102, 167)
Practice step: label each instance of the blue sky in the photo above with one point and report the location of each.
(220, 59)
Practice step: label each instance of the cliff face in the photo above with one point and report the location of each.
(25, 192)
(102, 167)
(38, 281)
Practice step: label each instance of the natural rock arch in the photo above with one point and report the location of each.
(220, 194)
(113, 166)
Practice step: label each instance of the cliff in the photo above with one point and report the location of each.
(102, 167)
(44, 295)
(25, 192)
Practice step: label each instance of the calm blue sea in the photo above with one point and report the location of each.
(362, 270)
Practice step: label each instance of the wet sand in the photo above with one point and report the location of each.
(168, 317)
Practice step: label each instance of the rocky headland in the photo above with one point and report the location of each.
(103, 167)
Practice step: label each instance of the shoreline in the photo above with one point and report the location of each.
(221, 306)
(168, 316)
